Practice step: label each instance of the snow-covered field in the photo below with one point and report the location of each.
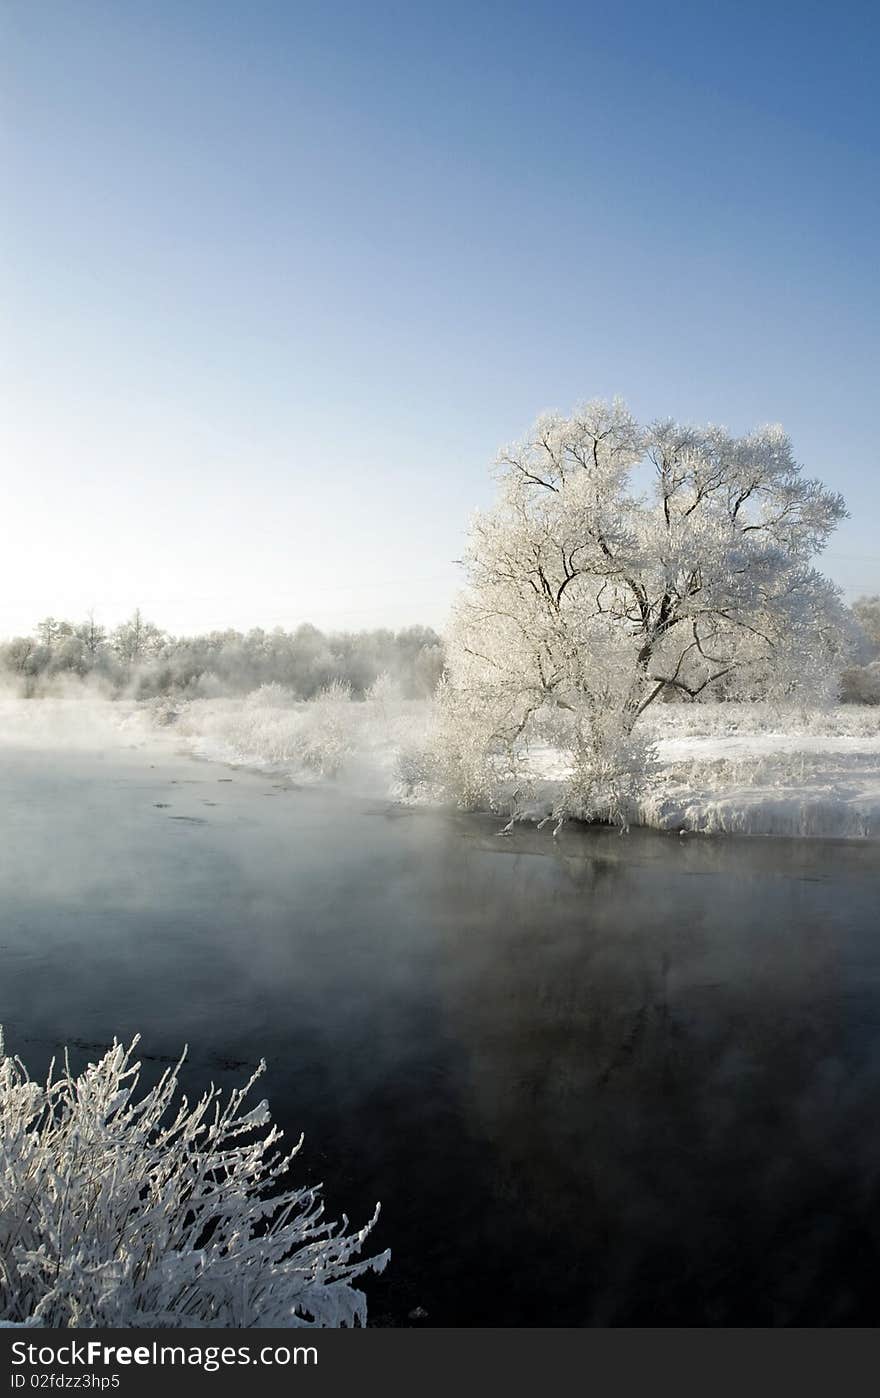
(722, 768)
(781, 774)
(754, 770)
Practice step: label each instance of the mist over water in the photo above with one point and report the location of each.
(594, 1080)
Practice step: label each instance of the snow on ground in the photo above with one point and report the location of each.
(766, 784)
(752, 770)
(762, 770)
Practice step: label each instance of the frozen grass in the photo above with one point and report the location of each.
(359, 742)
(669, 721)
(765, 770)
(271, 728)
(821, 793)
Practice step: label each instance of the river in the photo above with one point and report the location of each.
(594, 1080)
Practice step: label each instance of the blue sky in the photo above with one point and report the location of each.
(280, 278)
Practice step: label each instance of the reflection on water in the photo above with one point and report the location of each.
(594, 1081)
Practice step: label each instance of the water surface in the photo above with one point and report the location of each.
(594, 1081)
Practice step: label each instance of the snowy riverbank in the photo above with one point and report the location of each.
(721, 768)
(729, 768)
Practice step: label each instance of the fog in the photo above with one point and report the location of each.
(78, 714)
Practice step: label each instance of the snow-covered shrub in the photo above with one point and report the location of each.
(162, 710)
(609, 771)
(119, 1210)
(272, 726)
(486, 760)
(271, 696)
(385, 697)
(413, 768)
(332, 735)
(244, 731)
(327, 739)
(468, 763)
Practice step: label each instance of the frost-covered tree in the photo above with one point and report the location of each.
(18, 655)
(92, 635)
(50, 632)
(136, 639)
(867, 613)
(860, 682)
(621, 564)
(127, 1209)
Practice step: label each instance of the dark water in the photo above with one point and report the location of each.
(594, 1081)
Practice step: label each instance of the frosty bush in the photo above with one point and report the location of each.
(609, 770)
(327, 737)
(271, 696)
(330, 736)
(119, 1210)
(413, 767)
(469, 761)
(385, 700)
(271, 725)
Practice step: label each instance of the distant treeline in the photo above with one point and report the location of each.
(138, 657)
(860, 683)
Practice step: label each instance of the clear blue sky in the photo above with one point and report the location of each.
(280, 278)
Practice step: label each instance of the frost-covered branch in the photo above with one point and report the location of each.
(125, 1210)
